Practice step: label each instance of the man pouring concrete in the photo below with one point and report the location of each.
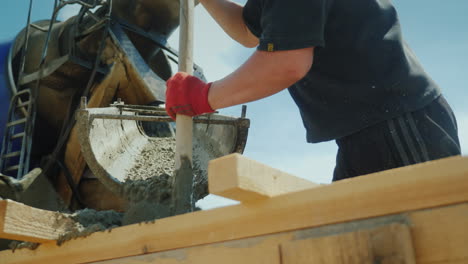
(348, 69)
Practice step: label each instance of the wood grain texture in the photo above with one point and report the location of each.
(183, 173)
(184, 124)
(390, 244)
(239, 178)
(423, 186)
(24, 223)
(444, 232)
(385, 240)
(255, 251)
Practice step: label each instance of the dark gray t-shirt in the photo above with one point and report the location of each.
(363, 72)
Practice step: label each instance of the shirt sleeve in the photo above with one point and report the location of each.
(251, 14)
(292, 24)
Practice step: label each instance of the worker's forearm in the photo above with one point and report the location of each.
(264, 74)
(229, 16)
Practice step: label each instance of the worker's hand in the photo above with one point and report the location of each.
(187, 95)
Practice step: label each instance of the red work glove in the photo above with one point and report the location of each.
(187, 95)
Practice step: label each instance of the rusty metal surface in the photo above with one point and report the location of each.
(144, 74)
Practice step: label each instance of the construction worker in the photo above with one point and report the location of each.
(349, 71)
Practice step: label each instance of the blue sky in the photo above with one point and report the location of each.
(436, 30)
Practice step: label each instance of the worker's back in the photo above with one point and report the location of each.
(363, 74)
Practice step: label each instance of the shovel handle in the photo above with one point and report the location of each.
(184, 124)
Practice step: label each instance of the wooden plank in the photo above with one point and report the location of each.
(250, 250)
(443, 234)
(24, 223)
(460, 261)
(387, 244)
(422, 186)
(255, 251)
(239, 178)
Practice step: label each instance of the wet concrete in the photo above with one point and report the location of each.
(148, 187)
(89, 221)
(182, 193)
(149, 184)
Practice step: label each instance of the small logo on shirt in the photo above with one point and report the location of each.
(271, 47)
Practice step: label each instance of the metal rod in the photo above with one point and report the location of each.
(17, 122)
(166, 119)
(49, 31)
(149, 107)
(102, 45)
(19, 135)
(146, 112)
(12, 154)
(244, 111)
(26, 42)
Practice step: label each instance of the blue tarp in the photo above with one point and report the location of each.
(4, 87)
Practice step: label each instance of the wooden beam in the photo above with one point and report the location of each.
(442, 234)
(422, 186)
(239, 178)
(248, 251)
(24, 223)
(387, 244)
(391, 239)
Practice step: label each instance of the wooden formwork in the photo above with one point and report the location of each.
(415, 214)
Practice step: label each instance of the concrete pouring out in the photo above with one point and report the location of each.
(86, 222)
(149, 184)
(147, 187)
(104, 158)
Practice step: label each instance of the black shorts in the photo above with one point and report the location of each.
(423, 135)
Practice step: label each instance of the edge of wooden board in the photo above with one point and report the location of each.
(427, 185)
